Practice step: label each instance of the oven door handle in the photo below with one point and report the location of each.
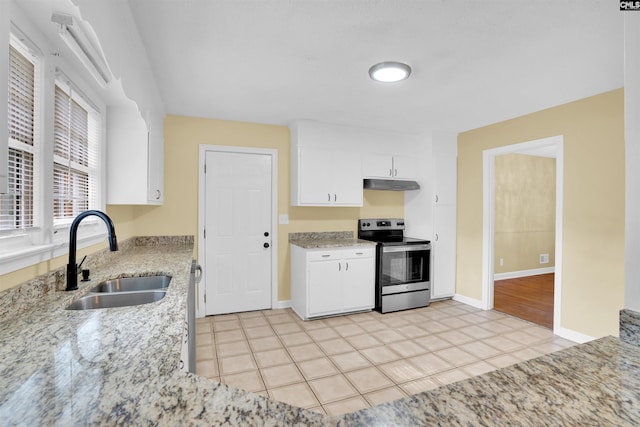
(408, 248)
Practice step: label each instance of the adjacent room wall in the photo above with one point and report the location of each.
(525, 208)
(594, 186)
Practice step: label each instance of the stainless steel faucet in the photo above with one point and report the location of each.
(72, 268)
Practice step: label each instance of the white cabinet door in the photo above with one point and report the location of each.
(389, 166)
(324, 287)
(135, 158)
(404, 167)
(358, 288)
(375, 165)
(155, 163)
(313, 182)
(443, 284)
(327, 178)
(346, 179)
(445, 171)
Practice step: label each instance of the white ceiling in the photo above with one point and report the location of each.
(474, 62)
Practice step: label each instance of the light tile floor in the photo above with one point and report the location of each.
(342, 364)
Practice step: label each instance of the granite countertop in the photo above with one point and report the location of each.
(327, 240)
(120, 366)
(590, 384)
(117, 366)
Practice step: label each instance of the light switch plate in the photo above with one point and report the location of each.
(284, 219)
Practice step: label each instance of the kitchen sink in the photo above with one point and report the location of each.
(117, 299)
(128, 284)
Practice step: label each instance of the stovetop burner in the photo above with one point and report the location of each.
(386, 231)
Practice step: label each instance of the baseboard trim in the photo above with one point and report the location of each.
(281, 304)
(523, 273)
(469, 301)
(574, 336)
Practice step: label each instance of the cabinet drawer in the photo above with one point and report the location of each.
(323, 255)
(364, 252)
(360, 252)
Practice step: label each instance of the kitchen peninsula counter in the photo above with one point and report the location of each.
(120, 366)
(115, 366)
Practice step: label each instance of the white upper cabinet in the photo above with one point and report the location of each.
(389, 166)
(135, 158)
(155, 172)
(325, 171)
(328, 162)
(445, 169)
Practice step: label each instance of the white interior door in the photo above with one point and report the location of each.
(238, 232)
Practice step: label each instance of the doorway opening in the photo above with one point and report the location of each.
(492, 286)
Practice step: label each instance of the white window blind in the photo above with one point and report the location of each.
(17, 206)
(76, 155)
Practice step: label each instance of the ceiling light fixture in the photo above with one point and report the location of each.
(389, 72)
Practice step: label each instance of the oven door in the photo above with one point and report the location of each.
(404, 264)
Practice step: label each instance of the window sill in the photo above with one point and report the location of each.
(28, 256)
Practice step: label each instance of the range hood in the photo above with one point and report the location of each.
(390, 184)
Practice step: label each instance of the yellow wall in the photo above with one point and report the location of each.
(123, 219)
(179, 213)
(593, 253)
(525, 212)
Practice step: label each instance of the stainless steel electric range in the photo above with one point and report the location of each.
(402, 265)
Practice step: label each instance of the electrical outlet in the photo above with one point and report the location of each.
(501, 262)
(544, 258)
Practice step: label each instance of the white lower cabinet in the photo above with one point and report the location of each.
(332, 281)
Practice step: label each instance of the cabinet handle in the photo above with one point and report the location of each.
(391, 172)
(326, 256)
(359, 253)
(339, 266)
(158, 194)
(335, 197)
(328, 197)
(347, 269)
(396, 172)
(436, 198)
(436, 237)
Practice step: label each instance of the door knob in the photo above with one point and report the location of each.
(266, 245)
(266, 234)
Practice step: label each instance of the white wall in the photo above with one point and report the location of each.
(632, 160)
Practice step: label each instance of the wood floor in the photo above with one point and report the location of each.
(529, 298)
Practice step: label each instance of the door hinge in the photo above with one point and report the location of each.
(205, 233)
(205, 168)
(205, 298)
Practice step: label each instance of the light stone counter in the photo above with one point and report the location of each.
(327, 240)
(120, 366)
(117, 366)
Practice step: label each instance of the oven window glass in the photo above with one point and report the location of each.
(404, 267)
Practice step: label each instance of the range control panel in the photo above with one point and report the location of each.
(373, 224)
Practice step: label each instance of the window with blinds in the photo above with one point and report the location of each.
(76, 136)
(17, 205)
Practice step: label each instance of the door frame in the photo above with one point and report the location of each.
(555, 145)
(203, 149)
